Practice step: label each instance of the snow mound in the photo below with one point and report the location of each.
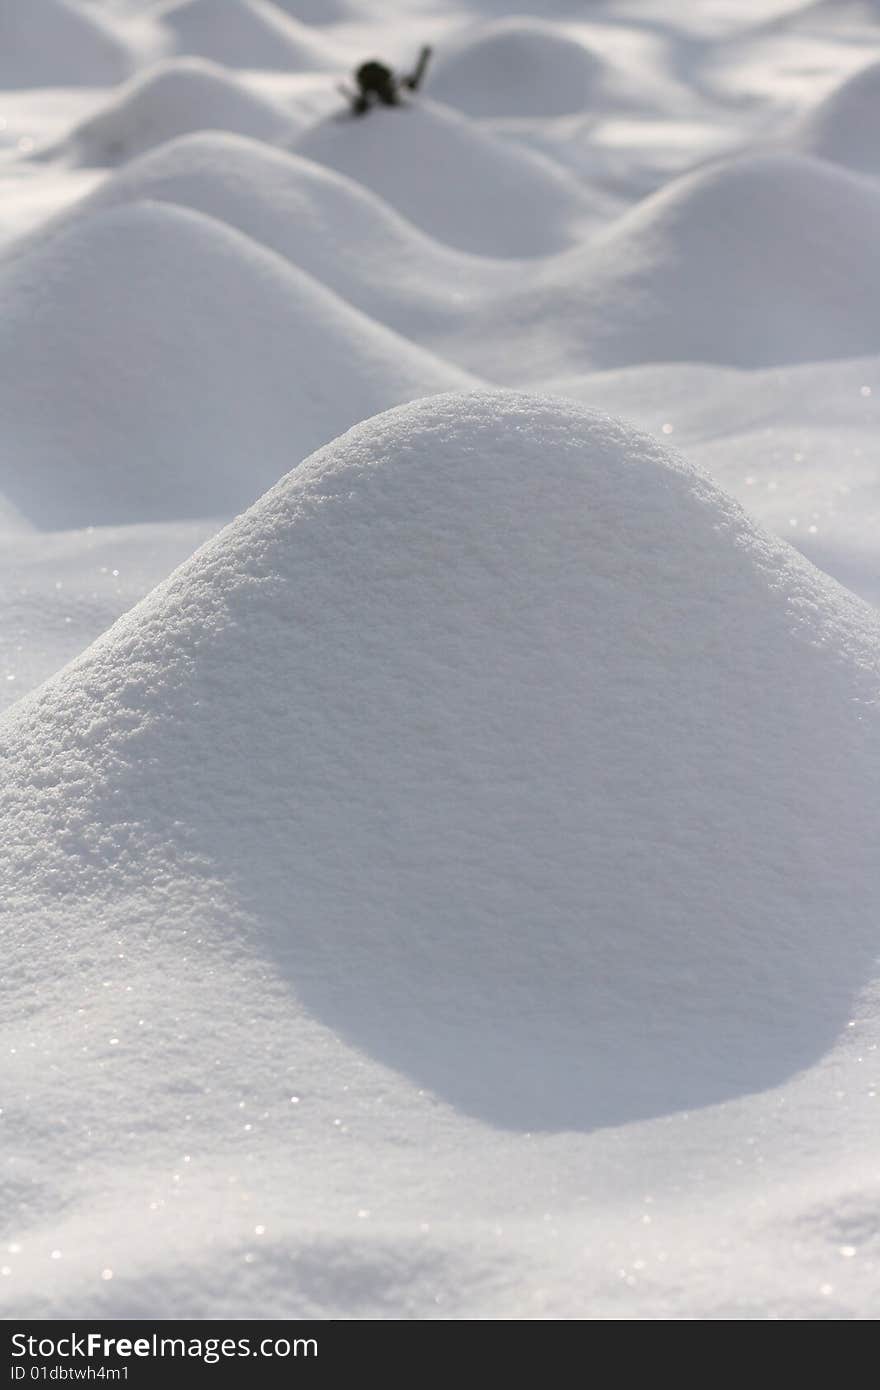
(321, 221)
(459, 183)
(843, 127)
(46, 43)
(531, 765)
(707, 270)
(175, 97)
(514, 67)
(317, 11)
(158, 365)
(806, 433)
(246, 34)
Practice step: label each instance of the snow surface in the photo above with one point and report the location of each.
(46, 43)
(319, 220)
(515, 67)
(245, 34)
(462, 184)
(244, 364)
(172, 99)
(842, 127)
(497, 640)
(796, 445)
(703, 270)
(452, 890)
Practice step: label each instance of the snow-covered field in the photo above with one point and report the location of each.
(440, 802)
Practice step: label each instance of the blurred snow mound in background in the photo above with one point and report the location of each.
(515, 67)
(843, 127)
(181, 389)
(172, 99)
(246, 34)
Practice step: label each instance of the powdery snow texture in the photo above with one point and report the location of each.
(490, 679)
(453, 891)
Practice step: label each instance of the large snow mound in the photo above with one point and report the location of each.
(459, 183)
(535, 769)
(322, 221)
(56, 43)
(171, 99)
(246, 34)
(843, 127)
(706, 270)
(514, 67)
(158, 365)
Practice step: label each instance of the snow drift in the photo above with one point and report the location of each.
(54, 42)
(318, 11)
(707, 270)
(172, 99)
(459, 183)
(843, 127)
(321, 221)
(795, 445)
(514, 67)
(159, 365)
(508, 742)
(246, 34)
